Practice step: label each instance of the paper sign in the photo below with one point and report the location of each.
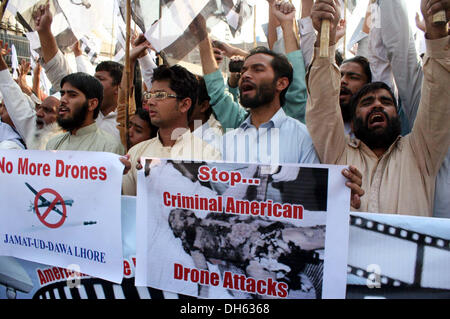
(62, 208)
(226, 230)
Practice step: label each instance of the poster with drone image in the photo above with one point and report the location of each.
(233, 230)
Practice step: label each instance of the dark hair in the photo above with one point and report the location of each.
(114, 69)
(364, 64)
(203, 95)
(88, 85)
(143, 115)
(338, 57)
(137, 83)
(366, 89)
(181, 81)
(280, 65)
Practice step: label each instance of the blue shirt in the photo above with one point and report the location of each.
(280, 140)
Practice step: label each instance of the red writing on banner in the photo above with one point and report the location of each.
(61, 169)
(231, 205)
(267, 286)
(55, 274)
(79, 171)
(208, 174)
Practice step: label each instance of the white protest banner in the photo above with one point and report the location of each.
(61, 209)
(396, 256)
(23, 279)
(229, 230)
(373, 259)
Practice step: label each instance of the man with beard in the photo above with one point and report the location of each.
(109, 73)
(268, 135)
(274, 137)
(229, 112)
(399, 172)
(355, 73)
(81, 96)
(265, 80)
(36, 123)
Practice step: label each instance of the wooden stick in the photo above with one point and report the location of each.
(324, 39)
(439, 18)
(3, 8)
(254, 27)
(127, 68)
(345, 31)
(111, 54)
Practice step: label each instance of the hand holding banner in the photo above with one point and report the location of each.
(229, 230)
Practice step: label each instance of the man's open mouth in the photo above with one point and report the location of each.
(247, 86)
(376, 119)
(63, 110)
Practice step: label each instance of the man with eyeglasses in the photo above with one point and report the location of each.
(170, 103)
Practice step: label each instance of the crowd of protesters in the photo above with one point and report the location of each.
(383, 113)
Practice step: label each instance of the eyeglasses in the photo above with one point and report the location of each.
(161, 95)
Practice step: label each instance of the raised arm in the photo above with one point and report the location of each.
(138, 51)
(83, 65)
(145, 60)
(55, 64)
(323, 113)
(430, 135)
(24, 69)
(20, 107)
(229, 113)
(43, 19)
(272, 26)
(37, 81)
(296, 95)
(307, 33)
(392, 31)
(285, 14)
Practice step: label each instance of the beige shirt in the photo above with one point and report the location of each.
(108, 123)
(211, 131)
(88, 138)
(187, 147)
(402, 181)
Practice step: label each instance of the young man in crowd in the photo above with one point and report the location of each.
(81, 97)
(109, 73)
(268, 134)
(399, 172)
(170, 101)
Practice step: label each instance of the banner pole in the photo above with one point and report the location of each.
(254, 26)
(345, 31)
(112, 34)
(3, 8)
(127, 68)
